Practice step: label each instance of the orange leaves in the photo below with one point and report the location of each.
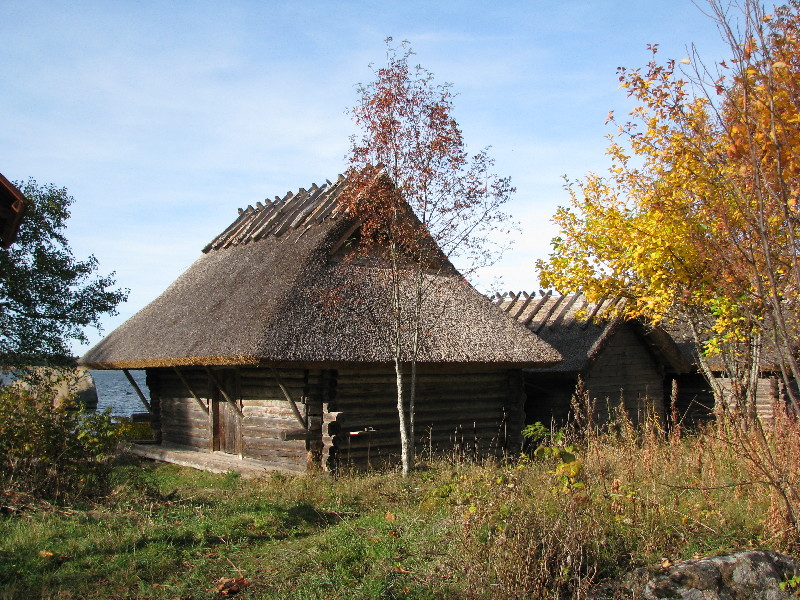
(227, 587)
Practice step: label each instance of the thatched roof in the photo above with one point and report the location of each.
(580, 330)
(12, 208)
(273, 288)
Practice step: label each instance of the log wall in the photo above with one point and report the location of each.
(475, 413)
(770, 395)
(266, 420)
(626, 370)
(351, 414)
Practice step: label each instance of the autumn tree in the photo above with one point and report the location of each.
(421, 201)
(47, 296)
(697, 215)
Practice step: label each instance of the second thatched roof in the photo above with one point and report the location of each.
(273, 289)
(581, 330)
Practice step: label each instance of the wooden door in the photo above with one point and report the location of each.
(226, 425)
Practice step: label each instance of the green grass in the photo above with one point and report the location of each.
(451, 530)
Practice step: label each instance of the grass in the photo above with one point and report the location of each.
(528, 527)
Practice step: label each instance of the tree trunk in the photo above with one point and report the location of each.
(405, 456)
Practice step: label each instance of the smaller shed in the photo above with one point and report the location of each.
(695, 392)
(12, 208)
(617, 360)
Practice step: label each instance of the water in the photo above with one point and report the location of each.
(115, 391)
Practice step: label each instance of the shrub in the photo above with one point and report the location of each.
(52, 453)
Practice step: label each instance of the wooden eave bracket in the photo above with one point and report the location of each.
(289, 398)
(191, 391)
(225, 395)
(138, 391)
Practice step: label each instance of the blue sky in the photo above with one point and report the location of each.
(163, 118)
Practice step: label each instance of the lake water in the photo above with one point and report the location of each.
(115, 391)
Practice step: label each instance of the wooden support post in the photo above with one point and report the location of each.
(222, 391)
(188, 387)
(288, 397)
(138, 391)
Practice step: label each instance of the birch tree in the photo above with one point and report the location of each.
(421, 200)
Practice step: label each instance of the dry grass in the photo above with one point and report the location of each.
(530, 527)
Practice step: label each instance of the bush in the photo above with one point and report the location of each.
(52, 453)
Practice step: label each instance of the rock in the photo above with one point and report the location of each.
(744, 575)
(77, 383)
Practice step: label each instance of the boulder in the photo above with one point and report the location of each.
(743, 575)
(74, 383)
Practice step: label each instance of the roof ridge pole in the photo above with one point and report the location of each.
(138, 391)
(539, 304)
(525, 304)
(549, 313)
(295, 410)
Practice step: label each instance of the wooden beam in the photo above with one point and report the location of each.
(297, 434)
(191, 391)
(138, 391)
(222, 391)
(288, 397)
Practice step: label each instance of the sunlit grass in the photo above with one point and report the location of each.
(454, 529)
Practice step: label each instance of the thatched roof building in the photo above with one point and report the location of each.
(12, 208)
(274, 309)
(269, 290)
(694, 389)
(617, 360)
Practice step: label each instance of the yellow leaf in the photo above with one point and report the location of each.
(686, 61)
(391, 517)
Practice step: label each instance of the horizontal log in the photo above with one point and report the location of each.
(268, 412)
(183, 408)
(179, 424)
(252, 392)
(347, 399)
(299, 434)
(262, 441)
(174, 402)
(277, 402)
(271, 423)
(380, 377)
(263, 373)
(184, 440)
(427, 384)
(186, 429)
(298, 458)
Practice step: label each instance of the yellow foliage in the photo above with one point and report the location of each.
(698, 205)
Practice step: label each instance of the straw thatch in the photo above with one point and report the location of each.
(581, 330)
(620, 363)
(273, 289)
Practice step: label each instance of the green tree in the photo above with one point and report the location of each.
(47, 296)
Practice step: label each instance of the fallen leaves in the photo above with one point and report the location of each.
(228, 587)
